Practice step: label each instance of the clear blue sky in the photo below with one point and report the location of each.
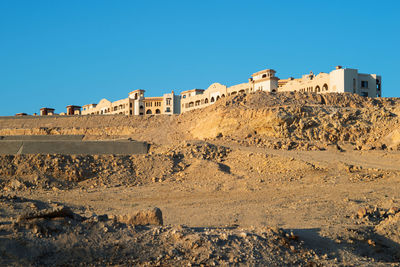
(55, 53)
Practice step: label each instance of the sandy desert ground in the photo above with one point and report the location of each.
(285, 179)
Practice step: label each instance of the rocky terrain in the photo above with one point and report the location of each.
(260, 179)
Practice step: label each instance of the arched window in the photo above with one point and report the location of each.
(234, 93)
(191, 104)
(206, 101)
(212, 99)
(242, 91)
(223, 96)
(197, 103)
(325, 87)
(148, 111)
(158, 111)
(218, 98)
(264, 76)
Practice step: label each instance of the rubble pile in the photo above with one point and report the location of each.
(55, 235)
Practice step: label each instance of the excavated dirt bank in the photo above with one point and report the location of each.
(279, 121)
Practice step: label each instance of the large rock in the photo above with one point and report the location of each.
(143, 217)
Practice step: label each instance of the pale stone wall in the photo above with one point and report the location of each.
(153, 105)
(190, 101)
(123, 106)
(308, 83)
(239, 89)
(337, 81)
(171, 104)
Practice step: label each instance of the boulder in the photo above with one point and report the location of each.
(143, 217)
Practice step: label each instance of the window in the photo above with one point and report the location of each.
(364, 84)
(354, 85)
(184, 96)
(364, 93)
(168, 101)
(378, 85)
(168, 109)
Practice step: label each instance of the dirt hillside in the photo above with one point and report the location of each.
(261, 180)
(284, 120)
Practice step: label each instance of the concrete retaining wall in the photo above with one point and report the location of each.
(42, 137)
(73, 147)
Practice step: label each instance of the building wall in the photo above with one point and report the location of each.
(195, 100)
(137, 97)
(153, 105)
(308, 83)
(135, 104)
(123, 106)
(337, 81)
(171, 104)
(266, 84)
(370, 88)
(239, 88)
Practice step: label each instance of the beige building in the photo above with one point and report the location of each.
(153, 105)
(46, 111)
(339, 80)
(264, 80)
(73, 110)
(135, 104)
